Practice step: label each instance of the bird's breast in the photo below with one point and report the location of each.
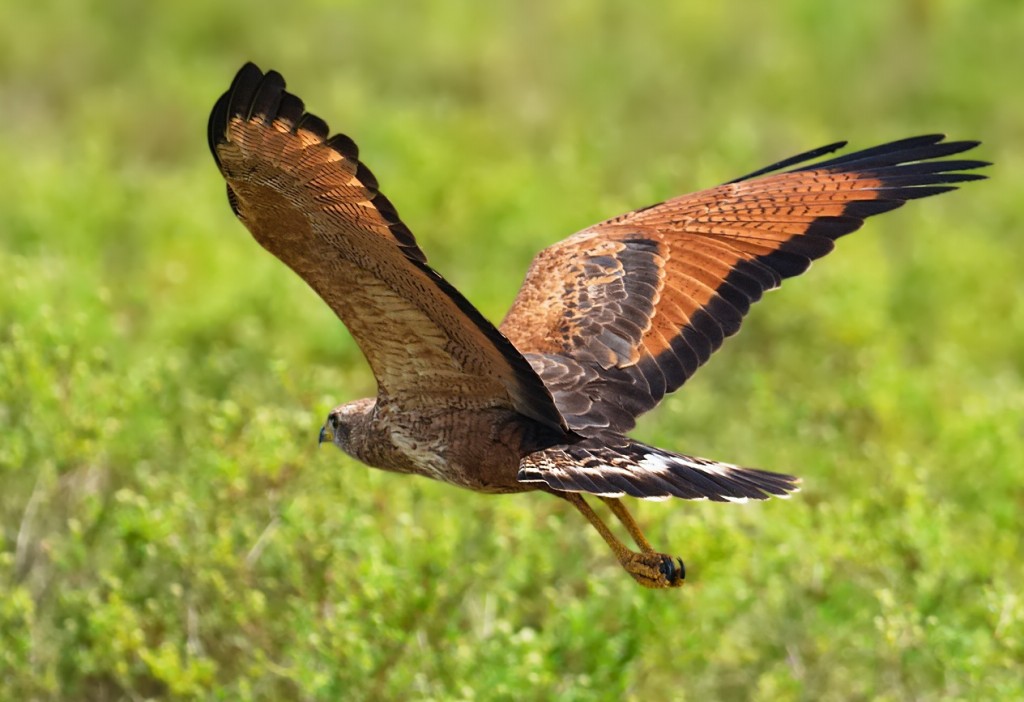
(477, 450)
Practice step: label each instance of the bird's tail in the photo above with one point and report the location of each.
(615, 465)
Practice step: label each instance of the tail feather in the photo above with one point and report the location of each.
(614, 466)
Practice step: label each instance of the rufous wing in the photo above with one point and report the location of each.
(622, 313)
(308, 199)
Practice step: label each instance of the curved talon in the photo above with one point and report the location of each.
(654, 570)
(648, 567)
(671, 572)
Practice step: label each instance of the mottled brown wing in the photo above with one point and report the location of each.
(620, 314)
(309, 200)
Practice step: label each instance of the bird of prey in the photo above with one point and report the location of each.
(607, 322)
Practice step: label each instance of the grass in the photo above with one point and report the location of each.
(168, 529)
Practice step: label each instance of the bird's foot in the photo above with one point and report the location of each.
(654, 570)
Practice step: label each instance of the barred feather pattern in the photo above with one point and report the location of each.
(612, 465)
(624, 312)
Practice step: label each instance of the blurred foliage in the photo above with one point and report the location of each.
(168, 529)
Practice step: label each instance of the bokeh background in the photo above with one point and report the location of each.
(168, 528)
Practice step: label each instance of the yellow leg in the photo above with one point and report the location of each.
(649, 568)
(623, 515)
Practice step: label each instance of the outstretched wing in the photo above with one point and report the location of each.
(309, 200)
(620, 314)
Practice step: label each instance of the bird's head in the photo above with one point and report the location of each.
(344, 422)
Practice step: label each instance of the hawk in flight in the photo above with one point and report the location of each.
(606, 324)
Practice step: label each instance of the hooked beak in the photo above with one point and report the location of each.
(324, 435)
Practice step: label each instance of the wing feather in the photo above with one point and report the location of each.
(624, 312)
(309, 200)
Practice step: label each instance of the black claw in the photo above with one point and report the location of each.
(670, 571)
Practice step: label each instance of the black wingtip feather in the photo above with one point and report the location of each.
(911, 156)
(235, 101)
(925, 167)
(916, 193)
(291, 109)
(785, 263)
(863, 209)
(792, 161)
(835, 227)
(267, 98)
(904, 151)
(907, 180)
(345, 146)
(217, 125)
(900, 146)
(366, 177)
(312, 123)
(242, 90)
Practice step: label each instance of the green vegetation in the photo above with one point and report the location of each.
(168, 528)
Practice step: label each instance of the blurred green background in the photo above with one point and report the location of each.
(168, 528)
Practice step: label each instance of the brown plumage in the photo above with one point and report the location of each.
(606, 324)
